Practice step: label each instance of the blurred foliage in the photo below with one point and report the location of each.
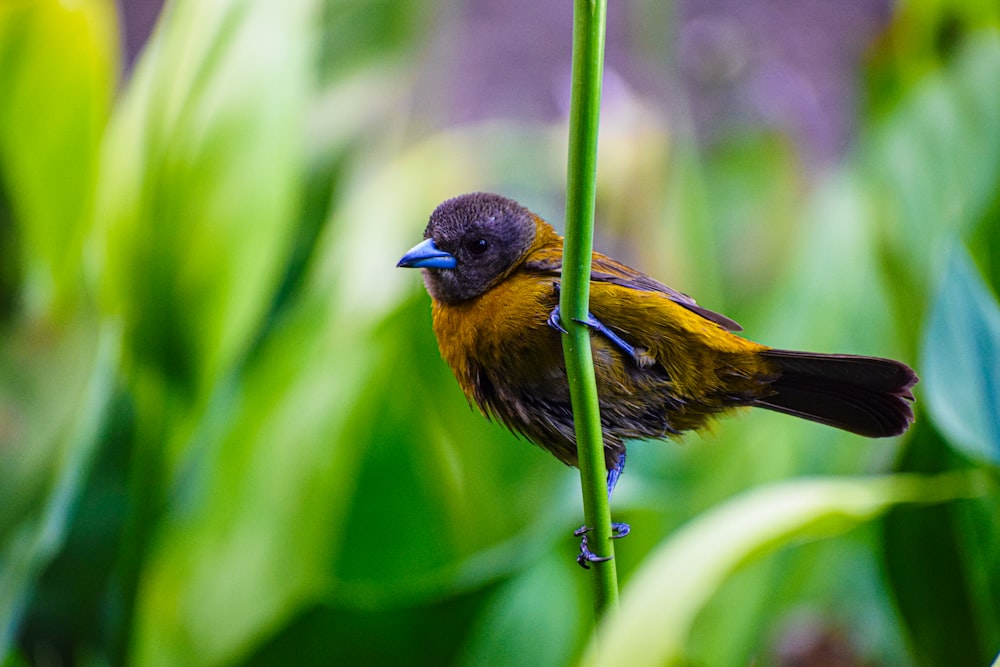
(226, 436)
(691, 566)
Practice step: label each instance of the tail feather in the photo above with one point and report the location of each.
(864, 395)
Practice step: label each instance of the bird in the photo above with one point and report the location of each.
(663, 364)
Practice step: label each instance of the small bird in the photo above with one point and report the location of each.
(663, 364)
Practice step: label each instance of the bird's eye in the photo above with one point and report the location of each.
(479, 246)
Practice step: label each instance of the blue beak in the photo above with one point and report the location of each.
(426, 255)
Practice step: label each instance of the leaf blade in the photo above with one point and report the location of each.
(961, 361)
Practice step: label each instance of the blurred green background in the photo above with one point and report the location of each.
(226, 436)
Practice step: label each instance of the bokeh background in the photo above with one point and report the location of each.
(226, 436)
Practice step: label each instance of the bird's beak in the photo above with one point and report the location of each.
(426, 255)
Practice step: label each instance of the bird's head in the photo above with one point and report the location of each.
(471, 243)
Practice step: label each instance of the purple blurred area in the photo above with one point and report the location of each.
(786, 65)
(137, 20)
(791, 66)
(722, 67)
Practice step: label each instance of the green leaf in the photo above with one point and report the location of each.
(58, 63)
(199, 184)
(662, 599)
(933, 164)
(941, 563)
(54, 389)
(961, 361)
(247, 542)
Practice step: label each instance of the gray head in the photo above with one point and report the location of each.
(472, 242)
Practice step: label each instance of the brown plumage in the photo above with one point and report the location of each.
(492, 269)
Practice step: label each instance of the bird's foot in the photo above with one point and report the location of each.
(586, 556)
(620, 529)
(638, 355)
(555, 321)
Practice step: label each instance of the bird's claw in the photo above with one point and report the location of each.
(586, 556)
(555, 321)
(620, 529)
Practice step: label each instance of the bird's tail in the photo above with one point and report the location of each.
(864, 395)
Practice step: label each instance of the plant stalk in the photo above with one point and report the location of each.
(581, 190)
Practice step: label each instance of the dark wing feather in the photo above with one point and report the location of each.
(606, 270)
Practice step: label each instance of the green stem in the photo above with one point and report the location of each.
(581, 189)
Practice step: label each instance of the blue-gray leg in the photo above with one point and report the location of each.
(598, 326)
(555, 321)
(618, 529)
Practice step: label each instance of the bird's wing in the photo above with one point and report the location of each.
(606, 270)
